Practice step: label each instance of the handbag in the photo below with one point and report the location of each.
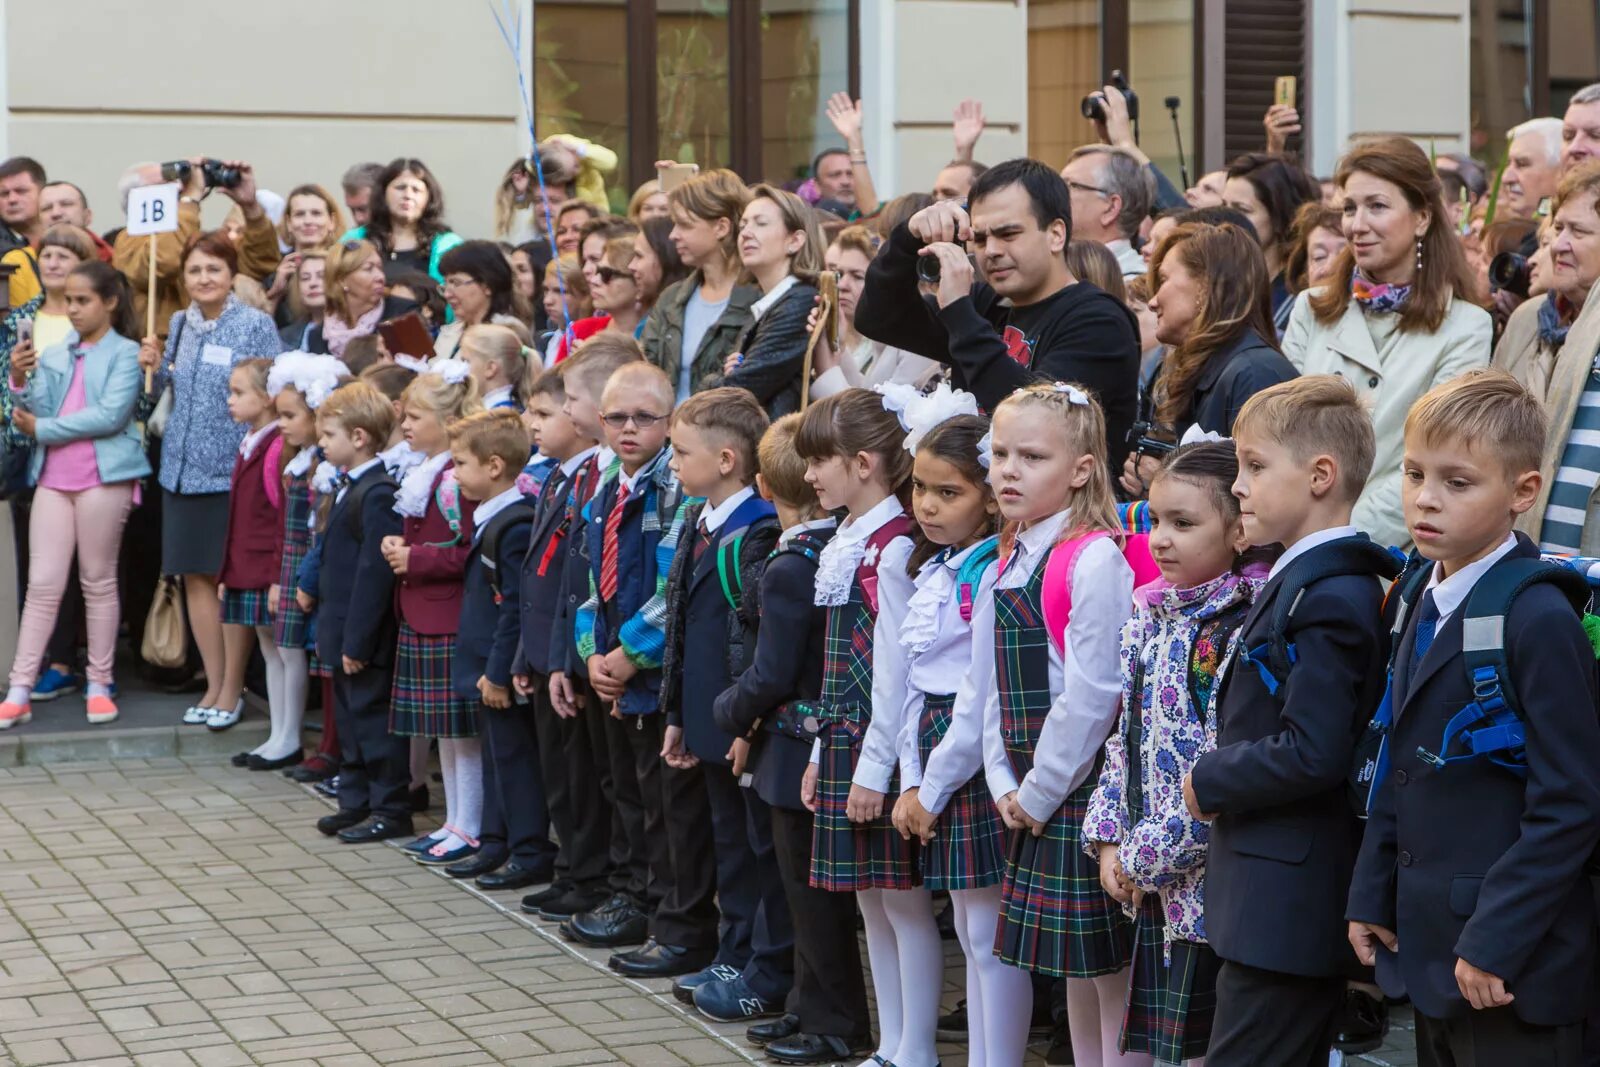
(166, 637)
(153, 410)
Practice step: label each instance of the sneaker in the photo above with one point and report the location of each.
(328, 787)
(14, 714)
(732, 1002)
(53, 683)
(101, 710)
(222, 719)
(195, 715)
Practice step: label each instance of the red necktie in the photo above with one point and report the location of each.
(702, 541)
(608, 547)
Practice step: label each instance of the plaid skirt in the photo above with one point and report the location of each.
(292, 626)
(424, 703)
(847, 857)
(245, 607)
(1054, 917)
(968, 849)
(1170, 1004)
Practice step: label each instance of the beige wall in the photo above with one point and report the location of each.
(301, 88)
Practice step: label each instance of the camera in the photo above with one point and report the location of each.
(1094, 107)
(214, 171)
(1141, 442)
(1509, 271)
(928, 268)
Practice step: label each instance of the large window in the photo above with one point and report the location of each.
(692, 117)
(1528, 58)
(805, 58)
(580, 77)
(1063, 65)
(1161, 58)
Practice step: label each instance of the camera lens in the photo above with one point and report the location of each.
(1509, 271)
(1093, 109)
(928, 269)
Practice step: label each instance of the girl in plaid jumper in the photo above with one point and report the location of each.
(855, 457)
(1051, 682)
(1151, 851)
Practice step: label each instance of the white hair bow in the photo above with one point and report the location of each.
(986, 450)
(1075, 396)
(313, 376)
(919, 413)
(453, 371)
(1194, 435)
(414, 364)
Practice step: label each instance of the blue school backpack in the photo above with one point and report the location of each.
(1491, 726)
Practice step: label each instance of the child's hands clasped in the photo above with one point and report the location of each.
(911, 818)
(674, 752)
(1015, 818)
(396, 553)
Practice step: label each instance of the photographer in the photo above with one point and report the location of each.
(258, 247)
(1115, 126)
(1028, 318)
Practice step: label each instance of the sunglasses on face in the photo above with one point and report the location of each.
(641, 419)
(611, 274)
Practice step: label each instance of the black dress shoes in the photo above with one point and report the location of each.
(562, 906)
(816, 1048)
(340, 821)
(655, 960)
(515, 876)
(260, 763)
(240, 759)
(1363, 1023)
(377, 828)
(315, 769)
(548, 895)
(477, 866)
(763, 1034)
(615, 923)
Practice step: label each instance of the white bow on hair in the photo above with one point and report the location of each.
(453, 371)
(1075, 396)
(919, 412)
(312, 375)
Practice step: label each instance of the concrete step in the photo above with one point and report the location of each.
(149, 726)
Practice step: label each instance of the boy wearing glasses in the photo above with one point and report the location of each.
(633, 530)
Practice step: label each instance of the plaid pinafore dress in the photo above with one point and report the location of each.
(847, 857)
(1054, 917)
(292, 627)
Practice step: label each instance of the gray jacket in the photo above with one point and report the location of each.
(662, 339)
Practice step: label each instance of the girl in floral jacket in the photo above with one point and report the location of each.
(1174, 649)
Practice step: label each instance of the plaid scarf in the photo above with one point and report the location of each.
(1377, 297)
(1555, 319)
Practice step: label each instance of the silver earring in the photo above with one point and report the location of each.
(1419, 254)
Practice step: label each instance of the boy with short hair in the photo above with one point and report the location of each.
(1471, 891)
(715, 438)
(1284, 839)
(356, 630)
(578, 805)
(633, 531)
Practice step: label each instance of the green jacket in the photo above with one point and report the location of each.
(663, 332)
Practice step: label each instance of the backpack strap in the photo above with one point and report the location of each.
(1056, 593)
(447, 497)
(805, 543)
(970, 576)
(357, 494)
(522, 511)
(877, 541)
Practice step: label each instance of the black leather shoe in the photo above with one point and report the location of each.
(316, 769)
(655, 960)
(569, 903)
(477, 866)
(340, 821)
(952, 1025)
(763, 1034)
(548, 895)
(419, 799)
(240, 759)
(613, 924)
(816, 1048)
(1362, 1024)
(259, 763)
(377, 828)
(515, 876)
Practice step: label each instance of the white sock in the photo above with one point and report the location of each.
(419, 761)
(19, 694)
(98, 689)
(468, 819)
(920, 956)
(884, 961)
(999, 996)
(274, 670)
(447, 771)
(1095, 1007)
(296, 680)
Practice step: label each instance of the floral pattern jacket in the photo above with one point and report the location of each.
(1174, 651)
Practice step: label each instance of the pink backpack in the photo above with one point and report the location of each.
(1063, 560)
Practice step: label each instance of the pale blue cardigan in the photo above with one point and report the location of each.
(111, 383)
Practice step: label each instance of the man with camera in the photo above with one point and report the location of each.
(258, 245)
(1026, 318)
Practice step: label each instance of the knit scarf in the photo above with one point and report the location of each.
(1553, 312)
(338, 335)
(1375, 297)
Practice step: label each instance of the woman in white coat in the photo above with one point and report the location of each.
(1396, 318)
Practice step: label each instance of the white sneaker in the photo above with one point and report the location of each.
(222, 718)
(196, 715)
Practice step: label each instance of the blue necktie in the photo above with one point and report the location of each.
(1427, 626)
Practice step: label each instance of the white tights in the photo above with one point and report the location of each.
(461, 767)
(1095, 1007)
(907, 973)
(999, 996)
(287, 681)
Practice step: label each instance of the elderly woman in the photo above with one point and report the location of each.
(204, 343)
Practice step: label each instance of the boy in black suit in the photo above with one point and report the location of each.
(826, 1018)
(715, 436)
(355, 621)
(578, 807)
(1471, 891)
(488, 450)
(1285, 836)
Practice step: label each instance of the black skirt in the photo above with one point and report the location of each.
(194, 529)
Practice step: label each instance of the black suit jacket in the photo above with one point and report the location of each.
(355, 589)
(486, 638)
(1471, 861)
(787, 666)
(539, 594)
(1285, 839)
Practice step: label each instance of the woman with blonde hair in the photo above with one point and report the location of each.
(311, 220)
(860, 362)
(649, 202)
(356, 298)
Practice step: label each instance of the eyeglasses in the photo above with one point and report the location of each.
(641, 419)
(611, 274)
(1087, 188)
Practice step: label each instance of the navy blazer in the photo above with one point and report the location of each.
(1471, 861)
(541, 581)
(787, 666)
(355, 586)
(487, 635)
(1285, 839)
(574, 588)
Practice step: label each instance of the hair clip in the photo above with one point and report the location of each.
(453, 371)
(1075, 396)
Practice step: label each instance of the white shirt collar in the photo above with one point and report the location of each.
(1307, 543)
(252, 440)
(357, 471)
(1450, 593)
(1041, 535)
(496, 397)
(869, 524)
(762, 306)
(799, 528)
(713, 517)
(570, 467)
(603, 456)
(492, 507)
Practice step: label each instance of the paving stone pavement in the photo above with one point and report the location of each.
(172, 914)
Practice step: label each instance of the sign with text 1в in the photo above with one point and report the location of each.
(153, 209)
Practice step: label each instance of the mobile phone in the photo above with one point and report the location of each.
(1284, 91)
(676, 174)
(25, 332)
(407, 336)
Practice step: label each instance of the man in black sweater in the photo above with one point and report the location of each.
(1029, 318)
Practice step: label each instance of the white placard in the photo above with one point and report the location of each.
(153, 209)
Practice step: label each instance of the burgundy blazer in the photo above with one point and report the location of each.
(252, 554)
(428, 595)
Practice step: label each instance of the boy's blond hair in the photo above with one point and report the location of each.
(782, 469)
(358, 406)
(487, 434)
(647, 376)
(1315, 415)
(1486, 411)
(593, 364)
(730, 418)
